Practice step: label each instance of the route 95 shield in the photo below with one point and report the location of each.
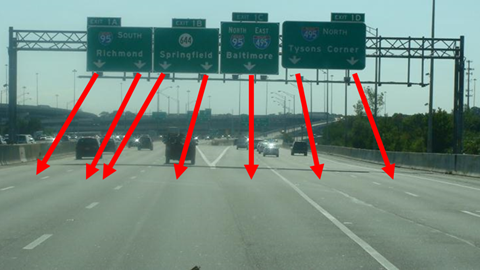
(237, 41)
(105, 38)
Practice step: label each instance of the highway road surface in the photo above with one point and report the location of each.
(215, 217)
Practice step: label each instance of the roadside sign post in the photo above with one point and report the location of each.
(186, 50)
(124, 49)
(249, 48)
(324, 45)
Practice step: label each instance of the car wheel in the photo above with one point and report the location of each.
(291, 153)
(305, 154)
(264, 154)
(78, 157)
(192, 161)
(237, 147)
(277, 155)
(167, 160)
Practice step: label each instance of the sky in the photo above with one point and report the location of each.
(392, 18)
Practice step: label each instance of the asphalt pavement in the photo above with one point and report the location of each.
(216, 217)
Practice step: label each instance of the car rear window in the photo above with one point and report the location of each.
(87, 142)
(300, 145)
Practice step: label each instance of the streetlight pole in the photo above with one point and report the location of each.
(430, 98)
(188, 101)
(266, 100)
(37, 88)
(474, 91)
(178, 101)
(57, 99)
(331, 97)
(121, 92)
(327, 111)
(24, 95)
(74, 82)
(239, 95)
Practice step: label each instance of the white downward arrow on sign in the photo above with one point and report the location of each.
(206, 66)
(294, 59)
(352, 61)
(249, 66)
(99, 63)
(165, 65)
(139, 64)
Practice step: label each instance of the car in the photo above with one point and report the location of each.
(271, 149)
(2, 141)
(299, 148)
(174, 143)
(255, 143)
(111, 146)
(260, 146)
(133, 142)
(145, 142)
(49, 139)
(242, 143)
(25, 139)
(66, 138)
(87, 147)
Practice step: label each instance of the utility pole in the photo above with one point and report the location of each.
(346, 79)
(469, 72)
(24, 95)
(430, 98)
(474, 91)
(74, 82)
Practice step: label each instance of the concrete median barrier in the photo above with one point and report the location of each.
(13, 154)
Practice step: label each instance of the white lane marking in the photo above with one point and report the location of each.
(38, 241)
(438, 181)
(93, 204)
(204, 157)
(411, 194)
(118, 187)
(133, 177)
(364, 245)
(353, 176)
(7, 188)
(378, 184)
(220, 156)
(70, 171)
(142, 171)
(470, 213)
(45, 177)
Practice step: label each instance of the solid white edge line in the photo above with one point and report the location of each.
(133, 177)
(470, 213)
(376, 183)
(38, 241)
(118, 187)
(45, 177)
(204, 157)
(411, 194)
(93, 204)
(214, 163)
(364, 245)
(452, 184)
(7, 188)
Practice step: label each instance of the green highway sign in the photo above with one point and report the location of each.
(249, 17)
(186, 50)
(103, 21)
(249, 48)
(195, 23)
(125, 49)
(324, 45)
(348, 17)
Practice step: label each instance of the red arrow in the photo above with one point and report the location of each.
(389, 168)
(251, 168)
(316, 168)
(42, 164)
(91, 168)
(108, 169)
(179, 168)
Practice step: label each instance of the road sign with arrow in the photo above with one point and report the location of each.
(249, 48)
(324, 45)
(186, 50)
(124, 49)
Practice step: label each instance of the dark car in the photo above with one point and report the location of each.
(174, 146)
(260, 146)
(299, 148)
(133, 142)
(145, 142)
(111, 146)
(242, 143)
(87, 147)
